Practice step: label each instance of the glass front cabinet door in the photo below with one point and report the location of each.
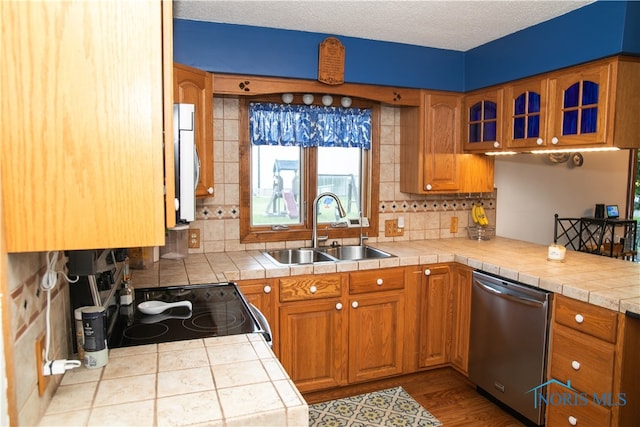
(525, 114)
(483, 121)
(578, 107)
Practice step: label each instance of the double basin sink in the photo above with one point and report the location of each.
(326, 254)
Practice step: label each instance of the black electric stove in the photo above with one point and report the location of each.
(218, 309)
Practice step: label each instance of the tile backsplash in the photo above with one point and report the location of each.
(28, 307)
(426, 217)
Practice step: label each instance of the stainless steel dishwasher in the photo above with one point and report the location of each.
(509, 341)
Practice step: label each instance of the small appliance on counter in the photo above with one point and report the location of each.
(100, 274)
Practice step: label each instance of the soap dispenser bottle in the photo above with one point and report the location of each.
(127, 294)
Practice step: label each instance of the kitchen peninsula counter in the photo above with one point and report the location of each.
(222, 381)
(606, 282)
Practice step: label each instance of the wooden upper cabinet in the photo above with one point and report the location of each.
(483, 120)
(431, 153)
(430, 144)
(525, 114)
(580, 102)
(194, 86)
(82, 135)
(591, 105)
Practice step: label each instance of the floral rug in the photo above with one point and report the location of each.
(391, 407)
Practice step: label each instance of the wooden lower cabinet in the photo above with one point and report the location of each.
(594, 351)
(461, 319)
(313, 343)
(263, 293)
(376, 336)
(328, 342)
(582, 413)
(434, 316)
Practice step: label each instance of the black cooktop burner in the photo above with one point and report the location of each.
(218, 309)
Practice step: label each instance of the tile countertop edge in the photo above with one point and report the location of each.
(529, 265)
(203, 388)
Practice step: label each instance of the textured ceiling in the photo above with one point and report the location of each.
(447, 24)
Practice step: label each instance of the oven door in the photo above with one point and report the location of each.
(264, 324)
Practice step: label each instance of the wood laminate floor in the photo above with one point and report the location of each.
(444, 392)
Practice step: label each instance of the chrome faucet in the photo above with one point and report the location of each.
(314, 233)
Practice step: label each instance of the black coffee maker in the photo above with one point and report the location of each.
(99, 274)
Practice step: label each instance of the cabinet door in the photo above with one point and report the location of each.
(580, 101)
(263, 294)
(313, 336)
(193, 86)
(525, 109)
(461, 319)
(376, 336)
(441, 142)
(435, 317)
(483, 121)
(82, 158)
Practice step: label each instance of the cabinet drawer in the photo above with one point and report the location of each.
(587, 318)
(310, 287)
(585, 361)
(582, 413)
(376, 280)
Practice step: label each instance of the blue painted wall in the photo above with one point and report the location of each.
(227, 48)
(631, 38)
(600, 29)
(592, 32)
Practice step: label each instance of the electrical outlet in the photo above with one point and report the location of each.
(391, 228)
(453, 225)
(194, 238)
(43, 381)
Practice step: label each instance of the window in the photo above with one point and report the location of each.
(292, 153)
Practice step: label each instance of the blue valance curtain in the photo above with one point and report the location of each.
(309, 125)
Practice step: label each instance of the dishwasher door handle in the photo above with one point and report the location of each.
(521, 299)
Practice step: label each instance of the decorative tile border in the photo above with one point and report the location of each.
(430, 205)
(387, 206)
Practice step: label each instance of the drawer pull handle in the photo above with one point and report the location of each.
(313, 289)
(573, 420)
(354, 304)
(339, 306)
(579, 318)
(267, 289)
(427, 272)
(379, 282)
(575, 365)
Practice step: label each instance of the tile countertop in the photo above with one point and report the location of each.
(222, 381)
(599, 280)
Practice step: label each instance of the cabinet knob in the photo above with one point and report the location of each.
(379, 282)
(496, 144)
(210, 190)
(427, 272)
(575, 365)
(573, 420)
(555, 140)
(428, 187)
(354, 304)
(579, 318)
(313, 289)
(267, 289)
(339, 306)
(539, 141)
